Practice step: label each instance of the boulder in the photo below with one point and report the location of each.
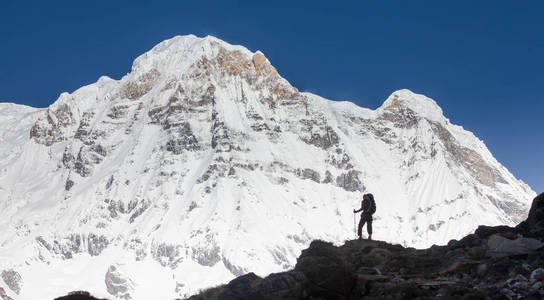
(500, 246)
(286, 285)
(471, 240)
(327, 271)
(537, 274)
(534, 225)
(243, 287)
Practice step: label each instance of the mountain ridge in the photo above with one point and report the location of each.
(204, 160)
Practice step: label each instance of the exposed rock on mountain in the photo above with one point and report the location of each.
(13, 280)
(117, 285)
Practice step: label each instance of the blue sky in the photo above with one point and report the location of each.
(482, 62)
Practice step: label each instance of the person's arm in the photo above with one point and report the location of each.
(360, 209)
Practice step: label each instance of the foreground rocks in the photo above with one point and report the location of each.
(493, 263)
(78, 295)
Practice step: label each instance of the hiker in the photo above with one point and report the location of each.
(368, 206)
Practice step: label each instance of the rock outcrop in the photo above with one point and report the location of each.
(534, 225)
(13, 280)
(117, 284)
(493, 263)
(78, 295)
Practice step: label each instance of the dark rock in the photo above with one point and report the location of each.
(139, 208)
(69, 184)
(287, 285)
(109, 183)
(471, 240)
(78, 295)
(484, 232)
(534, 225)
(99, 149)
(232, 171)
(241, 288)
(327, 270)
(260, 127)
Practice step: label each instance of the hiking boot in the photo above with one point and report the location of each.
(369, 237)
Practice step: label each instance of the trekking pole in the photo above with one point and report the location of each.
(354, 227)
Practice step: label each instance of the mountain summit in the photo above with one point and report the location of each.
(203, 164)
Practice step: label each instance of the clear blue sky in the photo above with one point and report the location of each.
(483, 62)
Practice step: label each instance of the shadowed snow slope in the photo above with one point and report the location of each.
(203, 164)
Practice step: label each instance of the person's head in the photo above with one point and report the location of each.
(368, 196)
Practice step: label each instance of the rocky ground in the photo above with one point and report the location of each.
(493, 263)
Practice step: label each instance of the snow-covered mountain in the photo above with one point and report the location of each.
(203, 163)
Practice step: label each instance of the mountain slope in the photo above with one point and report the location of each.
(204, 160)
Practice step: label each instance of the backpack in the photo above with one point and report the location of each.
(372, 208)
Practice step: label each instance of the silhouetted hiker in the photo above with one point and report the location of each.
(368, 206)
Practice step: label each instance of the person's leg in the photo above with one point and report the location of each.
(361, 224)
(369, 226)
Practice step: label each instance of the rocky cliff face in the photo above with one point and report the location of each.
(493, 263)
(204, 160)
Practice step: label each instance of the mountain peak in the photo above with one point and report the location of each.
(182, 50)
(420, 104)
